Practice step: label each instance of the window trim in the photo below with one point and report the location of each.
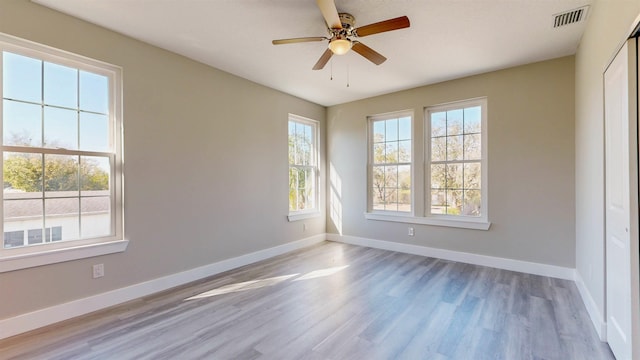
(315, 211)
(54, 252)
(381, 117)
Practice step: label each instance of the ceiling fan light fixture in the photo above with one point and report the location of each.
(340, 45)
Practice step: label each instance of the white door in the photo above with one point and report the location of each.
(621, 196)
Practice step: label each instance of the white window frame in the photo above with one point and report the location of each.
(483, 218)
(60, 251)
(424, 202)
(370, 162)
(315, 211)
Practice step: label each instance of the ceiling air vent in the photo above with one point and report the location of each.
(570, 17)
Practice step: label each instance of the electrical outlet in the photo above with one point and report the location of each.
(410, 232)
(98, 271)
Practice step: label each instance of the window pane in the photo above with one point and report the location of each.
(22, 123)
(391, 199)
(64, 213)
(22, 78)
(454, 202)
(60, 175)
(378, 198)
(472, 201)
(94, 132)
(378, 185)
(472, 147)
(391, 176)
(95, 216)
(472, 120)
(404, 127)
(438, 124)
(309, 186)
(454, 148)
(404, 188)
(454, 122)
(60, 85)
(438, 202)
(391, 127)
(378, 131)
(94, 92)
(438, 176)
(94, 175)
(379, 153)
(60, 128)
(20, 216)
(391, 152)
(454, 176)
(22, 175)
(293, 189)
(439, 149)
(404, 151)
(472, 175)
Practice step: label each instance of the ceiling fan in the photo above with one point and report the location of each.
(343, 35)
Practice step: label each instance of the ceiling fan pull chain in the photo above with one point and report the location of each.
(331, 70)
(347, 74)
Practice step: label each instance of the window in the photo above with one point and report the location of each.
(456, 159)
(303, 167)
(61, 151)
(390, 162)
(452, 191)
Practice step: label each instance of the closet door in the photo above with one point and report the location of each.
(621, 171)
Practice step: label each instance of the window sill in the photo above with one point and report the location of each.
(23, 261)
(463, 224)
(302, 216)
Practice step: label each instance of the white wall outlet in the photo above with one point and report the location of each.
(410, 232)
(98, 271)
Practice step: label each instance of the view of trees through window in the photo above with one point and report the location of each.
(391, 169)
(303, 170)
(456, 156)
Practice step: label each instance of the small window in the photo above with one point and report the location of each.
(61, 150)
(456, 170)
(303, 166)
(390, 144)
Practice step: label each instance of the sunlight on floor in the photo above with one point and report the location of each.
(321, 273)
(260, 283)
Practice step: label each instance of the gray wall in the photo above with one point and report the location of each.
(609, 25)
(205, 164)
(531, 163)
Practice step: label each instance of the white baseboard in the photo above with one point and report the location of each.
(598, 321)
(39, 318)
(468, 258)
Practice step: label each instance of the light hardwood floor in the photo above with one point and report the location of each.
(335, 301)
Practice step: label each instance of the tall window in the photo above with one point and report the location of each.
(61, 149)
(303, 165)
(456, 159)
(390, 162)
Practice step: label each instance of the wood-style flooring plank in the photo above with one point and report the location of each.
(335, 301)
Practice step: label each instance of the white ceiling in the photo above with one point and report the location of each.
(447, 39)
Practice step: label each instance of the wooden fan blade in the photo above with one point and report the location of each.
(382, 26)
(324, 59)
(368, 53)
(298, 40)
(330, 13)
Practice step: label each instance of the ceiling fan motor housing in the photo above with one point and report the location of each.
(347, 20)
